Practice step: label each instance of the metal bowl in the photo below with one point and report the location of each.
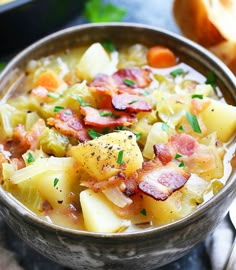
(147, 249)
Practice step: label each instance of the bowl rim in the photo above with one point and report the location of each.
(18, 209)
(13, 5)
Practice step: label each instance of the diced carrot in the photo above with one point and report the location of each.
(48, 80)
(161, 57)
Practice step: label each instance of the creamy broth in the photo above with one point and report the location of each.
(109, 140)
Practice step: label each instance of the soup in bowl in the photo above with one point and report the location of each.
(117, 145)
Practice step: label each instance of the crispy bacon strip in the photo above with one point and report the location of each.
(117, 83)
(34, 133)
(184, 144)
(163, 153)
(139, 76)
(104, 84)
(69, 122)
(106, 118)
(159, 181)
(130, 103)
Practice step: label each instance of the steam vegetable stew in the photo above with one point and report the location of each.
(113, 140)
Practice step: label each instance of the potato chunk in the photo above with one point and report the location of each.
(95, 60)
(98, 214)
(220, 117)
(99, 157)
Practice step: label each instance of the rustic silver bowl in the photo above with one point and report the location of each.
(147, 249)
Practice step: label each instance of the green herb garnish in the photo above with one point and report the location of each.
(120, 157)
(197, 96)
(128, 82)
(109, 46)
(181, 128)
(53, 95)
(95, 11)
(119, 128)
(181, 164)
(133, 101)
(58, 108)
(211, 79)
(192, 119)
(105, 114)
(82, 103)
(178, 155)
(30, 158)
(94, 134)
(105, 130)
(164, 126)
(138, 136)
(56, 180)
(143, 212)
(177, 72)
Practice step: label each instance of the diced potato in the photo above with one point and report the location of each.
(95, 60)
(98, 213)
(179, 204)
(220, 117)
(99, 157)
(52, 177)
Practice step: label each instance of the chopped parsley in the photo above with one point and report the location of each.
(178, 155)
(94, 134)
(192, 119)
(120, 157)
(53, 95)
(181, 128)
(128, 82)
(109, 46)
(105, 114)
(58, 108)
(197, 96)
(138, 136)
(56, 180)
(177, 72)
(164, 126)
(105, 130)
(181, 164)
(143, 212)
(211, 79)
(133, 101)
(96, 11)
(81, 102)
(119, 128)
(30, 158)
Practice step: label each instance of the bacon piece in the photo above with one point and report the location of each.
(115, 84)
(139, 76)
(103, 84)
(183, 144)
(106, 118)
(163, 153)
(130, 103)
(33, 135)
(159, 181)
(69, 122)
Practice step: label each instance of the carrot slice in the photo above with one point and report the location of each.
(48, 80)
(160, 57)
